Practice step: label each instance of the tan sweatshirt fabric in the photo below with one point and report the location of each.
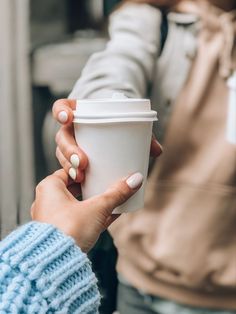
(182, 245)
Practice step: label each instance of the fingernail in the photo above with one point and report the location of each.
(135, 180)
(158, 144)
(72, 173)
(75, 161)
(63, 116)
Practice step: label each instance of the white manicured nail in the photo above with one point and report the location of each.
(74, 159)
(135, 180)
(72, 173)
(62, 116)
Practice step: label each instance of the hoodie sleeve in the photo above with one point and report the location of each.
(127, 63)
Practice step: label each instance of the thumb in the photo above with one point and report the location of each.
(117, 194)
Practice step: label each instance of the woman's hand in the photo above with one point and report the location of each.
(70, 155)
(56, 204)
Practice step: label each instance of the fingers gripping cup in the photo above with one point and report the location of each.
(116, 136)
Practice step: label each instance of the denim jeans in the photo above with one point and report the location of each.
(132, 301)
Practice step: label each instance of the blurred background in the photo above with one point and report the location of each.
(44, 46)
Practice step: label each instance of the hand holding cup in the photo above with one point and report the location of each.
(69, 154)
(56, 204)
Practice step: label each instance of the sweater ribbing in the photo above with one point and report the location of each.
(43, 271)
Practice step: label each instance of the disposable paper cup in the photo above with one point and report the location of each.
(116, 135)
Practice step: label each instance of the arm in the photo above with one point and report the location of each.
(128, 61)
(42, 265)
(42, 269)
(126, 65)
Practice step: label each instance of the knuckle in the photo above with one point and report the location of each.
(59, 156)
(44, 185)
(58, 137)
(66, 148)
(32, 210)
(66, 166)
(64, 163)
(58, 102)
(121, 196)
(116, 196)
(57, 152)
(40, 187)
(106, 198)
(120, 193)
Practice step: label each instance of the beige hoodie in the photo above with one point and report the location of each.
(182, 245)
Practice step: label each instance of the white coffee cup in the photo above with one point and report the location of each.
(116, 136)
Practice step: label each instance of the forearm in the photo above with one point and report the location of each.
(41, 269)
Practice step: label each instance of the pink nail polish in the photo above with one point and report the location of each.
(135, 180)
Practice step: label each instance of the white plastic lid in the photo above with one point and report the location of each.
(113, 110)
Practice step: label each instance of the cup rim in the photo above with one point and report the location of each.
(140, 116)
(108, 100)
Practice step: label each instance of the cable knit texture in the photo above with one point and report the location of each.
(43, 271)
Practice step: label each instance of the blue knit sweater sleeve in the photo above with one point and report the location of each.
(43, 271)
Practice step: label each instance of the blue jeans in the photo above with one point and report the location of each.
(132, 301)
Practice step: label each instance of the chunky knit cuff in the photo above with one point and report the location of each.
(57, 268)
